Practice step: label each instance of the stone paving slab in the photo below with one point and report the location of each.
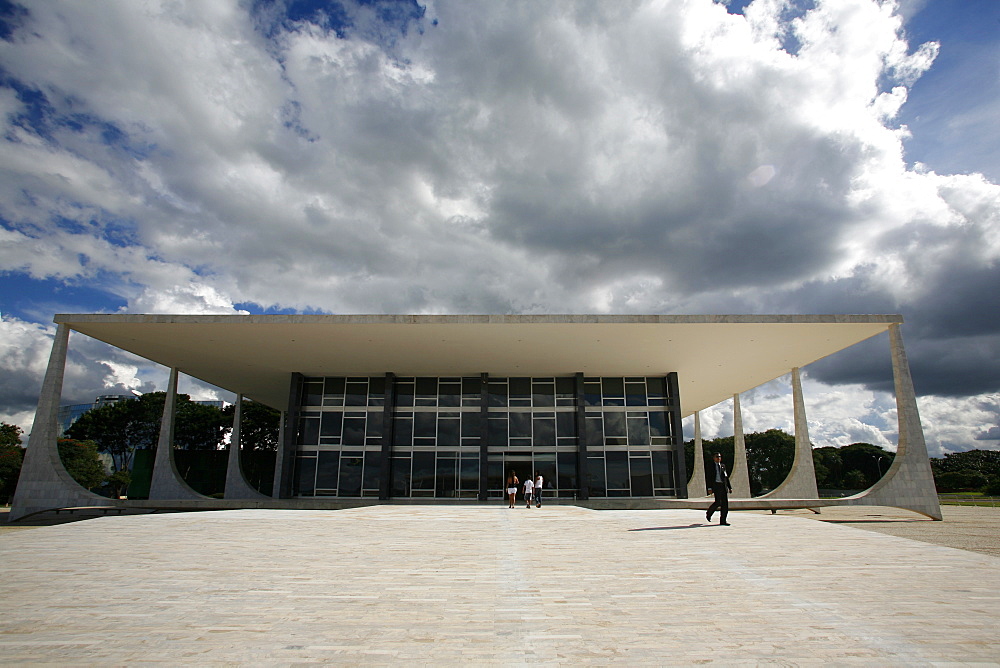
(445, 585)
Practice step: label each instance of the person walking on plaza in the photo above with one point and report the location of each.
(512, 483)
(722, 488)
(539, 481)
(529, 485)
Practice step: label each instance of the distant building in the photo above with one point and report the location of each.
(71, 413)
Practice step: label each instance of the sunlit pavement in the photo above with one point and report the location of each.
(489, 585)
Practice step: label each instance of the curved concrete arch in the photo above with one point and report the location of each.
(697, 487)
(739, 477)
(801, 480)
(237, 486)
(44, 483)
(167, 482)
(909, 482)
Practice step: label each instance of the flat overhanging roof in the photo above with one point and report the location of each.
(715, 356)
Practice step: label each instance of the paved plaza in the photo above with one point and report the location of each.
(486, 585)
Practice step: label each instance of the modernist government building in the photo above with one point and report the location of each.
(405, 408)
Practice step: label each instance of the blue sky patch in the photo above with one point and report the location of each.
(36, 300)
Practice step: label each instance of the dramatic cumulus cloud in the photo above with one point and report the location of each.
(460, 157)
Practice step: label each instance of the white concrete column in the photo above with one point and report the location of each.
(44, 483)
(697, 487)
(237, 486)
(801, 480)
(167, 482)
(739, 477)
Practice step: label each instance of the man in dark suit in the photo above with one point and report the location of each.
(719, 479)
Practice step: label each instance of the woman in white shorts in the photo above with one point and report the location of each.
(512, 483)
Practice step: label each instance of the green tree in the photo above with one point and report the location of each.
(118, 483)
(769, 457)
(960, 481)
(871, 460)
(855, 479)
(829, 467)
(11, 458)
(81, 461)
(121, 428)
(986, 462)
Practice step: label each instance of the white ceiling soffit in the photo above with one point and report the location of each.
(714, 356)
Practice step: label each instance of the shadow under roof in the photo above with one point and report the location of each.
(715, 356)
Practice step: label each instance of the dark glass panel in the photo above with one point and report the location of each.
(567, 473)
(427, 387)
(400, 473)
(356, 394)
(374, 428)
(472, 386)
(638, 431)
(613, 387)
(658, 423)
(642, 476)
(373, 469)
(520, 425)
(520, 442)
(402, 431)
(376, 391)
(469, 473)
(497, 430)
(470, 425)
(635, 394)
(404, 394)
(350, 475)
(544, 432)
(614, 423)
(566, 388)
(332, 423)
(308, 431)
(656, 387)
(354, 431)
(312, 394)
(520, 387)
(305, 475)
(449, 394)
(595, 431)
(591, 394)
(543, 394)
(595, 477)
(448, 433)
(497, 394)
(495, 472)
(615, 440)
(617, 469)
(424, 425)
(334, 386)
(663, 469)
(424, 441)
(446, 477)
(566, 424)
(327, 471)
(423, 470)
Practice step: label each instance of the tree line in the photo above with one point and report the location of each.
(852, 467)
(122, 429)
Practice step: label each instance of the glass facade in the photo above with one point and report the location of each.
(596, 437)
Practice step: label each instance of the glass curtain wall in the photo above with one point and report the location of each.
(531, 428)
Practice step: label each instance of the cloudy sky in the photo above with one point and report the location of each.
(667, 156)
